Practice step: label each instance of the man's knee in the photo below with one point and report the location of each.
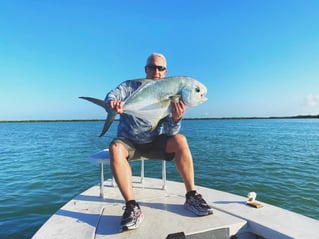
(115, 146)
(177, 143)
(180, 139)
(118, 151)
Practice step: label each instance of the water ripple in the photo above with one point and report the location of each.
(43, 165)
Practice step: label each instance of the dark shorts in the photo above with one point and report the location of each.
(153, 150)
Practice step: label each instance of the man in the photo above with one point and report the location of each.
(135, 137)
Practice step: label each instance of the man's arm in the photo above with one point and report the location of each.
(172, 123)
(178, 110)
(116, 97)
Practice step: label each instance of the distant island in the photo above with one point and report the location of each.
(208, 118)
(271, 117)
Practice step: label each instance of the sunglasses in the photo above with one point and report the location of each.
(154, 67)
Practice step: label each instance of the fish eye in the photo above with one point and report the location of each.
(197, 89)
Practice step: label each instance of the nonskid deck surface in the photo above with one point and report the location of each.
(89, 216)
(163, 211)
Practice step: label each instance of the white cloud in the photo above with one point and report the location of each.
(312, 100)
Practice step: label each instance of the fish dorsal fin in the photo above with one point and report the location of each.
(144, 83)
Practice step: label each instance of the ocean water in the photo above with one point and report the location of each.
(45, 164)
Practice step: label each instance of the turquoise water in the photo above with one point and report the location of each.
(44, 165)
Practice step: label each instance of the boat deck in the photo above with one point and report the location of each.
(89, 216)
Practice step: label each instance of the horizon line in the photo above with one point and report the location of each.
(187, 118)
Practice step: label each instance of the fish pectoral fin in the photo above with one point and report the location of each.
(175, 98)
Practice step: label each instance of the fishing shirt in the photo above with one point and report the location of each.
(136, 129)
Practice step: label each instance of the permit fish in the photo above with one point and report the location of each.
(152, 99)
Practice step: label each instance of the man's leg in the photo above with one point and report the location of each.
(184, 162)
(122, 172)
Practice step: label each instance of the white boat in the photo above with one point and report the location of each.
(96, 213)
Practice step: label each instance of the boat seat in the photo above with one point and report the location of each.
(103, 157)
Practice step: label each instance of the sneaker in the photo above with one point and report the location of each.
(132, 217)
(196, 204)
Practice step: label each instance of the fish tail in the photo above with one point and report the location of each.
(110, 113)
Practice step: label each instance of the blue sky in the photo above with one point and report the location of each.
(256, 57)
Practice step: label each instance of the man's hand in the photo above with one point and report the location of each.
(178, 110)
(117, 106)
